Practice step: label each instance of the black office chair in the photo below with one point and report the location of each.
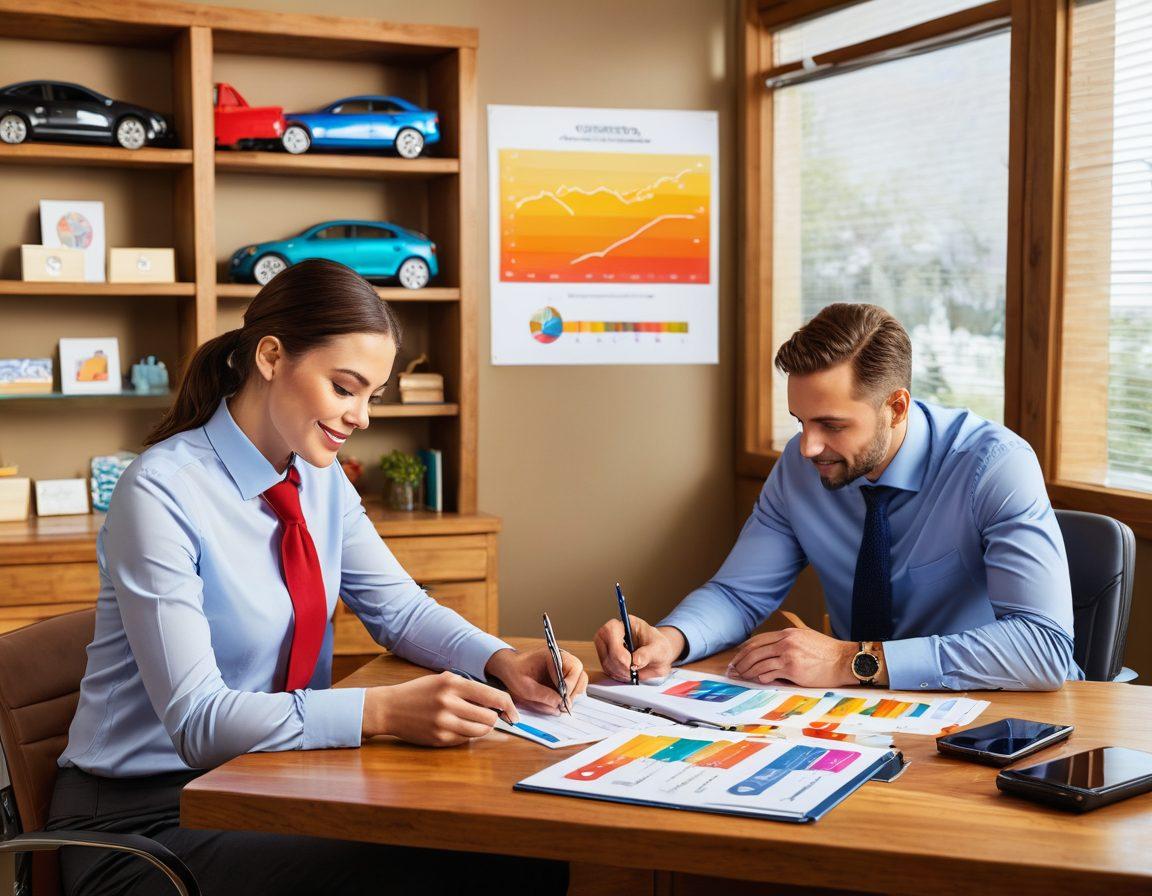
(1101, 563)
(40, 670)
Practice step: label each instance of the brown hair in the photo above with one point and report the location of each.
(304, 307)
(866, 335)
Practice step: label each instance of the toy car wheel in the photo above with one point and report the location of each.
(267, 267)
(130, 132)
(413, 273)
(409, 143)
(13, 129)
(295, 139)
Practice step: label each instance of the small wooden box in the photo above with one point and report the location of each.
(141, 266)
(15, 498)
(421, 388)
(51, 264)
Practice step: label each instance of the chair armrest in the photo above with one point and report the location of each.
(168, 863)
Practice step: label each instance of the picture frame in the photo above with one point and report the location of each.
(90, 366)
(77, 224)
(61, 497)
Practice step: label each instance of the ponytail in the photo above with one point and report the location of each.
(210, 377)
(304, 307)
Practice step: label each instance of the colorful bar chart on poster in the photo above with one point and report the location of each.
(547, 326)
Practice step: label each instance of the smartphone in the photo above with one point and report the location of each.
(1002, 743)
(1083, 781)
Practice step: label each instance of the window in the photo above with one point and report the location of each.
(386, 106)
(890, 186)
(367, 232)
(353, 107)
(63, 93)
(335, 232)
(1106, 389)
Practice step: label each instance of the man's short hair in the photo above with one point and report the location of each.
(866, 335)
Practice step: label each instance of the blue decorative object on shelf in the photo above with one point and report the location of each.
(106, 471)
(149, 376)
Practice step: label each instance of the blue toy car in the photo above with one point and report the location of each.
(364, 122)
(377, 250)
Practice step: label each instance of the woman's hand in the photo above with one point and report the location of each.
(435, 710)
(530, 677)
(657, 648)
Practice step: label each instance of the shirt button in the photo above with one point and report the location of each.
(923, 684)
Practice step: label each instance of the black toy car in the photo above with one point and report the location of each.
(56, 110)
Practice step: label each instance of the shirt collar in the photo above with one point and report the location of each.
(249, 469)
(906, 470)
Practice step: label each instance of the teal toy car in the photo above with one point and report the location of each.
(376, 250)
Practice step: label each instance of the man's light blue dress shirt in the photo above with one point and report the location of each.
(980, 589)
(194, 621)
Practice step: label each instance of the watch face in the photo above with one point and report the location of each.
(865, 665)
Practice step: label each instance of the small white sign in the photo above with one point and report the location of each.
(78, 225)
(57, 497)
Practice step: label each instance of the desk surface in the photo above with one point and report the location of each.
(942, 827)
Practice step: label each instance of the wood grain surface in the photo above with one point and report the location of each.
(941, 828)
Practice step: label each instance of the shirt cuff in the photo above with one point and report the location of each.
(475, 652)
(695, 633)
(333, 717)
(912, 665)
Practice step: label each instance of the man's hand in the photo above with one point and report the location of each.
(531, 677)
(656, 649)
(800, 656)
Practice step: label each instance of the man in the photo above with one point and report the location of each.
(940, 557)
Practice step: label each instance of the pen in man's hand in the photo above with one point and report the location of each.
(629, 644)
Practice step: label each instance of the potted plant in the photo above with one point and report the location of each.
(404, 474)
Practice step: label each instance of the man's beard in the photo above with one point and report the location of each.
(868, 460)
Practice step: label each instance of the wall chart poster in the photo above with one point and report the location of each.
(603, 235)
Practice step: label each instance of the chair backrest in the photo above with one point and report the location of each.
(40, 670)
(1101, 562)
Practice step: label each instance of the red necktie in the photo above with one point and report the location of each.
(305, 581)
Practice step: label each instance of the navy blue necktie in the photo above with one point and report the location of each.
(872, 588)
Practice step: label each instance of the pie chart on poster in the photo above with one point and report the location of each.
(74, 230)
(546, 325)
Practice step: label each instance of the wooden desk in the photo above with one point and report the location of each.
(941, 828)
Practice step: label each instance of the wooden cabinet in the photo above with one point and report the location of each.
(48, 567)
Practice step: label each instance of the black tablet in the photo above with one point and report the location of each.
(1082, 781)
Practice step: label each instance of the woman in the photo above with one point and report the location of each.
(225, 549)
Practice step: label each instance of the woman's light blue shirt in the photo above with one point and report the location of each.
(194, 622)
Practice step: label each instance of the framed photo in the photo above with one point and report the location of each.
(57, 497)
(90, 366)
(77, 225)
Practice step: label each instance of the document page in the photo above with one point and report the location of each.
(591, 720)
(714, 771)
(697, 696)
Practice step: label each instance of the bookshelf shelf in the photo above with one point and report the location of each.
(73, 155)
(118, 399)
(332, 165)
(228, 292)
(26, 288)
(414, 410)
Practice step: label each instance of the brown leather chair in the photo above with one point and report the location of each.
(41, 666)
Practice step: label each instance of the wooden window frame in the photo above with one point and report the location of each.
(1038, 138)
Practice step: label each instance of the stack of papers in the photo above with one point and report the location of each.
(591, 720)
(714, 771)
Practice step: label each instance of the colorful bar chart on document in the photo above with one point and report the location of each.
(591, 720)
(714, 771)
(699, 697)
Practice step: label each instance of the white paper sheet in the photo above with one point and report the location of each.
(698, 696)
(591, 720)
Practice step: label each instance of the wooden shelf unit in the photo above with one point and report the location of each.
(48, 565)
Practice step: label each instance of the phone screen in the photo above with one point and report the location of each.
(1006, 737)
(1092, 770)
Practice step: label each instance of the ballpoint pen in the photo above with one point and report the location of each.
(557, 662)
(499, 712)
(628, 642)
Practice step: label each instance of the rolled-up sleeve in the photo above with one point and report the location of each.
(154, 544)
(396, 611)
(1029, 646)
(756, 576)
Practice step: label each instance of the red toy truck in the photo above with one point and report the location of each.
(240, 126)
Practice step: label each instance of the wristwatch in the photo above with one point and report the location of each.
(866, 664)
